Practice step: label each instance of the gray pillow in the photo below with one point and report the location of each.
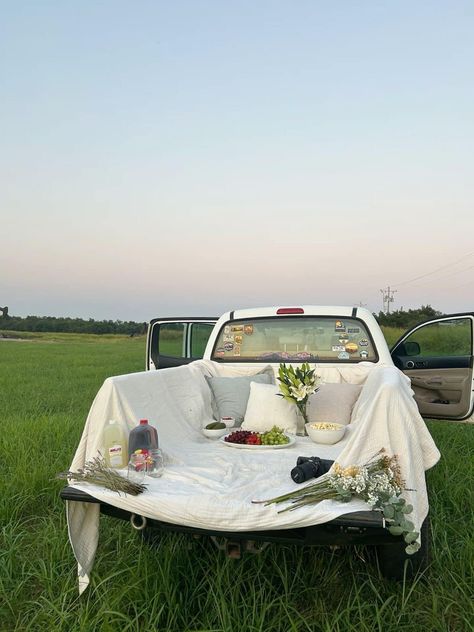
(333, 403)
(231, 394)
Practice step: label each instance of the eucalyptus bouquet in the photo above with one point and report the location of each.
(378, 482)
(296, 385)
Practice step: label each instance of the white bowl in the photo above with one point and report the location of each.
(319, 435)
(214, 434)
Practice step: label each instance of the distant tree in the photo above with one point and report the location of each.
(407, 318)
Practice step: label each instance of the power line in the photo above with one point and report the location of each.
(462, 285)
(422, 276)
(446, 276)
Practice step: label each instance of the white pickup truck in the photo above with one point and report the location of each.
(437, 355)
(345, 344)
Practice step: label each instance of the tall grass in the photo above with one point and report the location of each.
(185, 584)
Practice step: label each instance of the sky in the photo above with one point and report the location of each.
(191, 157)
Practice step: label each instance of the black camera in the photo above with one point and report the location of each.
(309, 467)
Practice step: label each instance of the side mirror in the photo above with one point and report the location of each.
(412, 348)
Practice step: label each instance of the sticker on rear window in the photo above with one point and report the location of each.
(351, 347)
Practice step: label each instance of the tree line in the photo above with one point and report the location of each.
(54, 324)
(407, 318)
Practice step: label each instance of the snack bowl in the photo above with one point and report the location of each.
(325, 432)
(214, 433)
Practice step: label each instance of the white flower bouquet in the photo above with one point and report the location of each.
(379, 483)
(296, 385)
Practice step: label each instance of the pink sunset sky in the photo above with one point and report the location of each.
(193, 157)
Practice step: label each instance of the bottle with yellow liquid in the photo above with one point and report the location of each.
(115, 445)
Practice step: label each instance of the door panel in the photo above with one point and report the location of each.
(444, 362)
(173, 342)
(442, 393)
(437, 356)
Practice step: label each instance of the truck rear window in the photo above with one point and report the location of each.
(294, 339)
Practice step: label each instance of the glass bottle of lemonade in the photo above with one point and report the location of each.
(115, 445)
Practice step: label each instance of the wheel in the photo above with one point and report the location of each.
(392, 557)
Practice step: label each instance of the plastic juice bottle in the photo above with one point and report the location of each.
(115, 444)
(143, 437)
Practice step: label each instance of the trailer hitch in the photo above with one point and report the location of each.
(139, 526)
(235, 548)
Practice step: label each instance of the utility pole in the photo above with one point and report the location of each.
(387, 298)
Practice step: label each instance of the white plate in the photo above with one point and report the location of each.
(244, 446)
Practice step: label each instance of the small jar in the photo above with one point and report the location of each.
(228, 421)
(137, 467)
(154, 463)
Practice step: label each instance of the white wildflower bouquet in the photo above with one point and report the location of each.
(379, 483)
(296, 385)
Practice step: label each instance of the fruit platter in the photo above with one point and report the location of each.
(247, 439)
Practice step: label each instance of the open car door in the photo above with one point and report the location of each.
(176, 341)
(437, 356)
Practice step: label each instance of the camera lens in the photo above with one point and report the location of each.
(305, 471)
(309, 467)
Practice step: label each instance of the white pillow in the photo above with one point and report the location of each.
(333, 403)
(265, 410)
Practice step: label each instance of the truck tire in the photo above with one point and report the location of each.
(392, 557)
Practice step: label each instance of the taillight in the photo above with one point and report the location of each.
(290, 310)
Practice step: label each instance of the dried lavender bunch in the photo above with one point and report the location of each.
(96, 472)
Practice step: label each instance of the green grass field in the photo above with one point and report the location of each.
(47, 384)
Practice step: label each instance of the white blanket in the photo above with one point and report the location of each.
(210, 485)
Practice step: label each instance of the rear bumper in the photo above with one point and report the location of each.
(362, 527)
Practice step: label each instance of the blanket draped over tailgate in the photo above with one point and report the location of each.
(210, 485)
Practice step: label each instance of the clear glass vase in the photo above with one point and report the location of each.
(300, 424)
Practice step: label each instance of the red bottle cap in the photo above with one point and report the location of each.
(143, 422)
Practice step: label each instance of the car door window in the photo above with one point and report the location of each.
(199, 336)
(172, 340)
(442, 338)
